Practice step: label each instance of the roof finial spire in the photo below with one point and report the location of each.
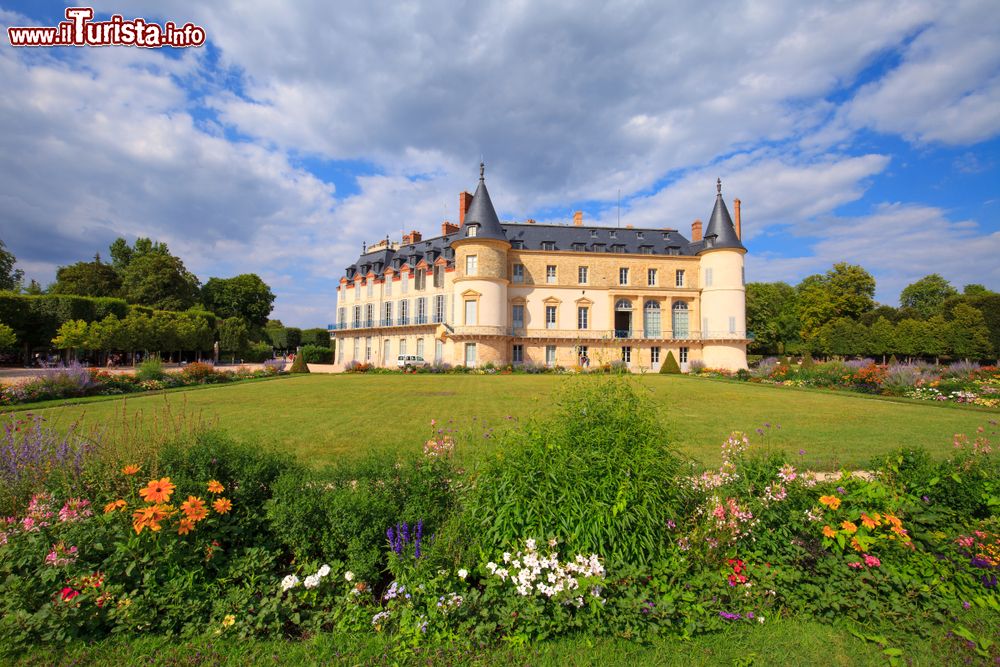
(718, 186)
(482, 169)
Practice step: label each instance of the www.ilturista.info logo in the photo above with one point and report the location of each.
(80, 30)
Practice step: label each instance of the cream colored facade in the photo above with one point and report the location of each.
(500, 305)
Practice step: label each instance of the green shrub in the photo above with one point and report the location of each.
(315, 354)
(199, 371)
(669, 364)
(258, 352)
(150, 369)
(299, 365)
(807, 361)
(598, 475)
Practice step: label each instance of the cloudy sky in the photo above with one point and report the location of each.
(866, 132)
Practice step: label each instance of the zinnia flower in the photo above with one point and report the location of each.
(829, 532)
(215, 487)
(222, 505)
(131, 469)
(833, 502)
(848, 526)
(194, 508)
(157, 491)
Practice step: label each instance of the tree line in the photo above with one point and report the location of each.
(143, 300)
(835, 313)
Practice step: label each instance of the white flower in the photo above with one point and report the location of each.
(312, 581)
(492, 567)
(291, 581)
(760, 619)
(553, 542)
(506, 556)
(349, 576)
(323, 571)
(530, 544)
(463, 573)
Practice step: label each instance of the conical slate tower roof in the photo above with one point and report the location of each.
(482, 213)
(720, 226)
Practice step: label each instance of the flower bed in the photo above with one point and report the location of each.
(214, 537)
(75, 381)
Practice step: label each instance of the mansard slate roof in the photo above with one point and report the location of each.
(428, 250)
(720, 232)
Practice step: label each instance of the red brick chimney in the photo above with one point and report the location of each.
(736, 210)
(578, 219)
(448, 228)
(464, 202)
(530, 221)
(696, 231)
(415, 236)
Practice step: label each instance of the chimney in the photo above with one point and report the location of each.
(696, 231)
(464, 202)
(578, 219)
(415, 236)
(406, 239)
(736, 210)
(448, 228)
(628, 226)
(531, 221)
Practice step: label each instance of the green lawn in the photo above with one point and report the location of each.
(323, 417)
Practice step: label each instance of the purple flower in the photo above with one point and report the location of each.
(966, 605)
(730, 617)
(926, 499)
(841, 490)
(802, 452)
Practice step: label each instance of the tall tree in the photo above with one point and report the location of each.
(10, 278)
(846, 290)
(233, 335)
(245, 296)
(969, 336)
(87, 279)
(927, 295)
(771, 315)
(975, 289)
(882, 338)
(159, 281)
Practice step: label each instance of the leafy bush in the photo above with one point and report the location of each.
(199, 371)
(299, 365)
(697, 366)
(669, 364)
(314, 354)
(258, 352)
(599, 476)
(150, 369)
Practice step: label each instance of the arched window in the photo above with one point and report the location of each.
(623, 304)
(651, 319)
(680, 320)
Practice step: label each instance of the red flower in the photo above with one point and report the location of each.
(68, 594)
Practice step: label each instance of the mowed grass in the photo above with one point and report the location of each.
(322, 418)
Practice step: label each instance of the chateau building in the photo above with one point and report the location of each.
(516, 293)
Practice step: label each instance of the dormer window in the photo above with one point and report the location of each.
(517, 245)
(639, 235)
(548, 245)
(710, 241)
(646, 250)
(666, 236)
(613, 235)
(617, 247)
(472, 230)
(579, 247)
(593, 233)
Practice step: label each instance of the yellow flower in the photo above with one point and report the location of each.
(833, 502)
(114, 505)
(870, 522)
(856, 545)
(157, 491)
(131, 469)
(829, 532)
(849, 527)
(228, 621)
(222, 505)
(215, 487)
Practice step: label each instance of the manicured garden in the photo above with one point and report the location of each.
(575, 527)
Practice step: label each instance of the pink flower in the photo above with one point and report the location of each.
(856, 565)
(872, 561)
(68, 594)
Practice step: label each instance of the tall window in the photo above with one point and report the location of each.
(627, 354)
(517, 316)
(420, 347)
(683, 355)
(404, 312)
(357, 316)
(623, 276)
(582, 275)
(680, 320)
(704, 327)
(357, 349)
(357, 291)
(517, 353)
(708, 277)
(405, 279)
(387, 355)
(402, 347)
(550, 355)
(438, 276)
(471, 316)
(438, 351)
(421, 279)
(679, 277)
(470, 355)
(550, 317)
(340, 318)
(422, 310)
(368, 348)
(472, 230)
(471, 265)
(651, 319)
(732, 325)
(388, 286)
(550, 274)
(582, 317)
(651, 277)
(371, 285)
(370, 315)
(388, 313)
(439, 309)
(517, 273)
(654, 355)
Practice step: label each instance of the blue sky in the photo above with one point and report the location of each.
(868, 132)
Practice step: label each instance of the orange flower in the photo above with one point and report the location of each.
(194, 508)
(222, 505)
(150, 517)
(849, 527)
(870, 522)
(185, 526)
(114, 505)
(157, 491)
(215, 487)
(833, 502)
(829, 532)
(131, 469)
(894, 521)
(856, 545)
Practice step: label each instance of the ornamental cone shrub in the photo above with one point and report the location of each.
(299, 365)
(893, 361)
(807, 361)
(669, 364)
